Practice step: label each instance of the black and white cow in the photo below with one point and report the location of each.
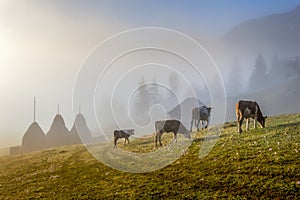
(200, 114)
(247, 110)
(167, 126)
(125, 133)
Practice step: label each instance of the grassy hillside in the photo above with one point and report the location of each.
(262, 163)
(4, 152)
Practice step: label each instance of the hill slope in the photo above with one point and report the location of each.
(262, 163)
(277, 32)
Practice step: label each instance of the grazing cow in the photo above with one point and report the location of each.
(166, 126)
(247, 110)
(126, 133)
(200, 114)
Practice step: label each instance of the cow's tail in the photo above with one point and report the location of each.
(115, 139)
(238, 111)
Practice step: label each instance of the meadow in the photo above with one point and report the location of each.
(257, 164)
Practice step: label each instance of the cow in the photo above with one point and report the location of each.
(247, 110)
(125, 133)
(167, 126)
(200, 114)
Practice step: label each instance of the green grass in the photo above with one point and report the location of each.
(257, 164)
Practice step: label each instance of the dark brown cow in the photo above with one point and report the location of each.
(126, 133)
(247, 110)
(167, 126)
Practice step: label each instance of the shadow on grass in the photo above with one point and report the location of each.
(206, 138)
(229, 125)
(288, 125)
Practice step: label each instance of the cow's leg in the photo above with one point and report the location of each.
(202, 124)
(247, 124)
(255, 122)
(191, 125)
(240, 122)
(159, 138)
(198, 123)
(126, 139)
(206, 124)
(175, 136)
(115, 142)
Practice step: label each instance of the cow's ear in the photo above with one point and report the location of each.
(266, 117)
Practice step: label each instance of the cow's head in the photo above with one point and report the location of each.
(130, 131)
(262, 121)
(209, 110)
(187, 133)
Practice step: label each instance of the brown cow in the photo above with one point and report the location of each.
(247, 110)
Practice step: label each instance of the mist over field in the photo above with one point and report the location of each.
(252, 49)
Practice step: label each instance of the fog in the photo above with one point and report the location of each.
(59, 51)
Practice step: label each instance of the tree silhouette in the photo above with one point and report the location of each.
(282, 69)
(154, 93)
(259, 79)
(143, 99)
(293, 66)
(276, 70)
(174, 82)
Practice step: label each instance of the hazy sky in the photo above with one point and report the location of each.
(43, 43)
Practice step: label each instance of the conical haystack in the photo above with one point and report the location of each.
(58, 135)
(33, 139)
(80, 131)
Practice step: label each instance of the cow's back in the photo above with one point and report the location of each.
(245, 108)
(196, 113)
(200, 113)
(167, 125)
(117, 133)
(120, 134)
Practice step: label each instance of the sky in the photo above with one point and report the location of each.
(44, 43)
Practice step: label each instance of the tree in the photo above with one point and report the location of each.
(293, 66)
(154, 96)
(275, 63)
(259, 79)
(142, 102)
(174, 82)
(276, 70)
(282, 69)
